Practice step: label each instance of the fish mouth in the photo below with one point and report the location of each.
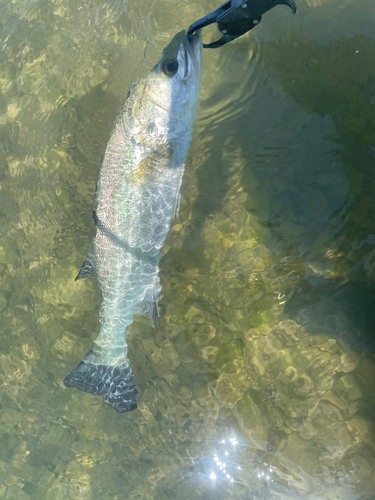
(193, 51)
(193, 43)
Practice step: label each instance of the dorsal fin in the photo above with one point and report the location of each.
(88, 268)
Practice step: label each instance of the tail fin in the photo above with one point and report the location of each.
(114, 382)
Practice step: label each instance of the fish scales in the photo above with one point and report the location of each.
(136, 196)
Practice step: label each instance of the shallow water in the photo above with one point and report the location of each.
(264, 351)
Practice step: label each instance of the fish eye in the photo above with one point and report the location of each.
(170, 67)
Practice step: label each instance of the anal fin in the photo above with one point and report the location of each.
(149, 304)
(148, 308)
(178, 200)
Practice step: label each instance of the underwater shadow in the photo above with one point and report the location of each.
(337, 81)
(340, 310)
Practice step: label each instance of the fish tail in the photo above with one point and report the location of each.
(113, 380)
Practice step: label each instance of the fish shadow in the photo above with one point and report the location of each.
(343, 311)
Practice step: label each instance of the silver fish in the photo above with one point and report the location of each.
(137, 195)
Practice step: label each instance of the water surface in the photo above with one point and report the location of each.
(263, 357)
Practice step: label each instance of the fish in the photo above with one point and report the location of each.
(136, 198)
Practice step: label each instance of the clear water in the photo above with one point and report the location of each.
(267, 320)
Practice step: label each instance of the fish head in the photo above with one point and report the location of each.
(174, 83)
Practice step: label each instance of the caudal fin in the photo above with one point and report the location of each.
(115, 383)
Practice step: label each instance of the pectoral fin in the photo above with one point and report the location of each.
(156, 162)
